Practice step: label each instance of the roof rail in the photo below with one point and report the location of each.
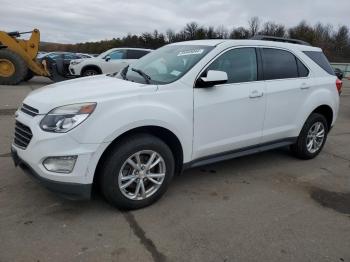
(280, 39)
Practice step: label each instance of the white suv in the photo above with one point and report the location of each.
(184, 105)
(111, 61)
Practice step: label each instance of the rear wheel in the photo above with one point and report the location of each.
(137, 172)
(13, 68)
(312, 137)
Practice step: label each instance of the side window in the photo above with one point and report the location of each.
(302, 70)
(71, 56)
(119, 54)
(240, 65)
(136, 54)
(278, 64)
(320, 59)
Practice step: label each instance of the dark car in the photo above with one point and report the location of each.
(64, 57)
(339, 73)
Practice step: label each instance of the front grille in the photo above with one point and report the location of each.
(23, 135)
(29, 110)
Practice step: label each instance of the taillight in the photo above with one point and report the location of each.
(339, 85)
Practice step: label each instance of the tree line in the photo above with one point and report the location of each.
(334, 41)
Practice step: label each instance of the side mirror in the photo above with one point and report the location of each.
(107, 58)
(213, 78)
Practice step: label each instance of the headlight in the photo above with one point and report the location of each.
(75, 62)
(64, 118)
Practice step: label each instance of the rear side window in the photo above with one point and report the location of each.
(71, 56)
(320, 59)
(136, 54)
(279, 64)
(240, 65)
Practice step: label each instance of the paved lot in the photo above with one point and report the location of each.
(265, 207)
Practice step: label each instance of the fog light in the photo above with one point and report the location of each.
(60, 164)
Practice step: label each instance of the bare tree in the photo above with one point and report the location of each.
(239, 33)
(170, 35)
(302, 31)
(341, 38)
(191, 29)
(221, 32)
(273, 29)
(211, 33)
(254, 25)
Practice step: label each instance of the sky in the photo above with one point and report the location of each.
(69, 21)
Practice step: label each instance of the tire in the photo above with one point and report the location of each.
(300, 148)
(18, 65)
(90, 72)
(29, 75)
(115, 169)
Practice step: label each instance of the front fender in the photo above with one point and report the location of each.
(114, 118)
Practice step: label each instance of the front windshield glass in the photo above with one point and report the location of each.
(166, 64)
(105, 53)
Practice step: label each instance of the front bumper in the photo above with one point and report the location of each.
(76, 184)
(69, 190)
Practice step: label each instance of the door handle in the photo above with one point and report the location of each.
(256, 94)
(304, 86)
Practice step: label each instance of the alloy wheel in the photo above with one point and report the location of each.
(141, 175)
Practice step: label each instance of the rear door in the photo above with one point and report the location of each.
(287, 87)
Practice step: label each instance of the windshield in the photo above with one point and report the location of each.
(166, 64)
(102, 55)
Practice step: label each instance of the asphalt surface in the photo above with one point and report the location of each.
(264, 207)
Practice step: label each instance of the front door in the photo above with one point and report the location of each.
(230, 116)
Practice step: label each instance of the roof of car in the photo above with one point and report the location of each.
(237, 42)
(130, 48)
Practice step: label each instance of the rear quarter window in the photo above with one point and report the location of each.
(321, 60)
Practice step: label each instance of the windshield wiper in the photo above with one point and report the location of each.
(124, 71)
(143, 74)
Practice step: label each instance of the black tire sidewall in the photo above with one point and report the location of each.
(89, 70)
(29, 75)
(112, 166)
(300, 148)
(21, 68)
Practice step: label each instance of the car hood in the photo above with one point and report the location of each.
(87, 89)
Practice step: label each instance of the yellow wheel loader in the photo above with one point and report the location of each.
(18, 59)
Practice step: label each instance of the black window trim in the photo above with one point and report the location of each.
(142, 50)
(258, 61)
(295, 57)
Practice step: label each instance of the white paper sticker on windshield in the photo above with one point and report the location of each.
(191, 52)
(175, 73)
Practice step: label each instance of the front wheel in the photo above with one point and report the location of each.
(137, 172)
(90, 72)
(312, 137)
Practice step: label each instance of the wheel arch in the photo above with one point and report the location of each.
(326, 111)
(164, 134)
